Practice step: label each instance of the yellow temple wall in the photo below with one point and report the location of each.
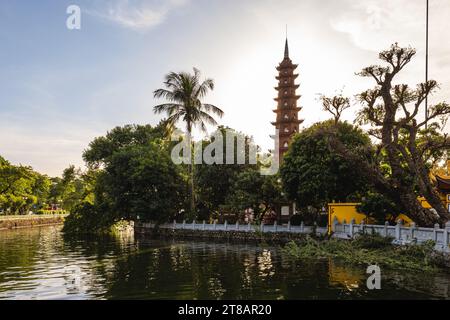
(348, 211)
(345, 211)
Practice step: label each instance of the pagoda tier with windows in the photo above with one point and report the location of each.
(287, 122)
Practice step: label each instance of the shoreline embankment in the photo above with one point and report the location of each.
(29, 221)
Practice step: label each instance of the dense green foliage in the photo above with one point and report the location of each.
(73, 188)
(137, 180)
(22, 189)
(214, 182)
(142, 181)
(313, 174)
(101, 149)
(233, 188)
(251, 190)
(379, 208)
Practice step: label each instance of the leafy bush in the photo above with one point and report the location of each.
(379, 208)
(372, 241)
(87, 218)
(369, 250)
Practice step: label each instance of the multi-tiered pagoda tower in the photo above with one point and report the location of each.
(287, 121)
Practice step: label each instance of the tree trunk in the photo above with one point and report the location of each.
(417, 165)
(191, 171)
(192, 207)
(427, 190)
(421, 216)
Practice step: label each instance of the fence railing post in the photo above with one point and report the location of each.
(435, 234)
(174, 224)
(386, 229)
(226, 225)
(237, 225)
(184, 224)
(193, 224)
(262, 226)
(352, 222)
(398, 230)
(289, 226)
(204, 224)
(446, 237)
(411, 230)
(302, 227)
(249, 227)
(215, 224)
(275, 226)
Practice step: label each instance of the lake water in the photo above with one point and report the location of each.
(40, 263)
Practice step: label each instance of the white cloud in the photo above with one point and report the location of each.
(375, 24)
(136, 14)
(372, 25)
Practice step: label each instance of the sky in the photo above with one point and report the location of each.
(61, 88)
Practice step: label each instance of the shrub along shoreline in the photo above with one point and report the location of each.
(370, 250)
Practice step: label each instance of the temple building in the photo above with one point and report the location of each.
(287, 121)
(441, 178)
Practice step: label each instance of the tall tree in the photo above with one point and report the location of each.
(215, 182)
(393, 112)
(313, 174)
(184, 93)
(335, 105)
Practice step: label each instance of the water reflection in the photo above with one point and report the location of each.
(41, 264)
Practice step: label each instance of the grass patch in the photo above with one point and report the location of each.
(369, 250)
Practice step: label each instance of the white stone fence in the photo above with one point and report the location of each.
(239, 227)
(400, 233)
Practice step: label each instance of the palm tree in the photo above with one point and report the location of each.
(184, 92)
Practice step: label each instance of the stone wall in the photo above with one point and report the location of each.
(231, 233)
(13, 222)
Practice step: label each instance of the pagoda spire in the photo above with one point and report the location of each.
(286, 49)
(286, 46)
